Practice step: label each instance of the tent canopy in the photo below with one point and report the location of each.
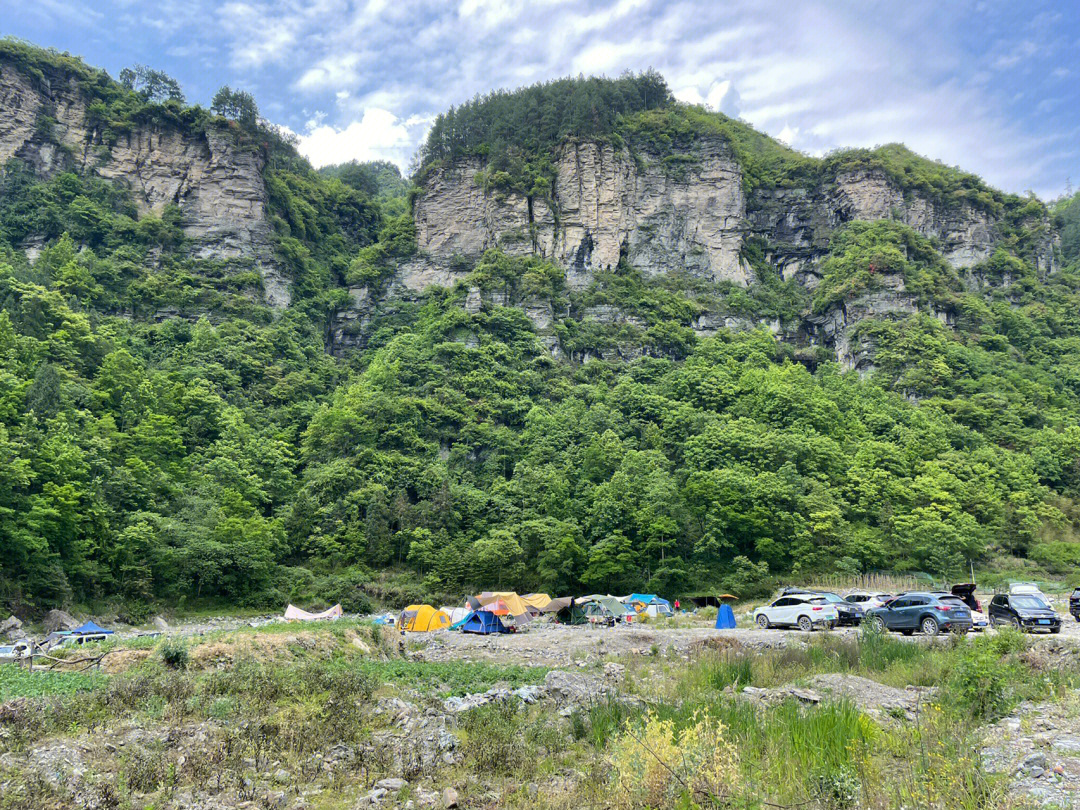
(90, 627)
(646, 599)
(422, 619)
(539, 601)
(609, 603)
(504, 603)
(555, 605)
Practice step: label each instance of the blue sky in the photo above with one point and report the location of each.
(989, 86)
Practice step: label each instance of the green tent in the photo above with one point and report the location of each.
(573, 614)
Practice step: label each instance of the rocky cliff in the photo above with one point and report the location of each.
(606, 204)
(694, 215)
(609, 203)
(47, 123)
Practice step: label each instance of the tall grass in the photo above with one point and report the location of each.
(17, 682)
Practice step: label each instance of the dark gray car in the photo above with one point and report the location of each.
(929, 613)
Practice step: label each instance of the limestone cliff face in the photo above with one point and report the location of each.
(604, 204)
(607, 203)
(797, 224)
(218, 186)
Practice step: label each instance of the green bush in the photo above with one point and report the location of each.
(988, 677)
(174, 653)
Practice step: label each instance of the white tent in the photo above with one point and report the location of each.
(456, 614)
(295, 614)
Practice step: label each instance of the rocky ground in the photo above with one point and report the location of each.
(1038, 748)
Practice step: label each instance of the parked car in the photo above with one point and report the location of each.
(868, 599)
(966, 594)
(80, 639)
(803, 610)
(1017, 588)
(16, 651)
(847, 612)
(1025, 611)
(930, 613)
(1074, 604)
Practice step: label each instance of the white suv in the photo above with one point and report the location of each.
(867, 599)
(803, 610)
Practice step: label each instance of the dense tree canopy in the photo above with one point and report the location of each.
(165, 436)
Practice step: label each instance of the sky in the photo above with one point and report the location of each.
(989, 86)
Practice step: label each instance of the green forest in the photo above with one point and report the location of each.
(167, 438)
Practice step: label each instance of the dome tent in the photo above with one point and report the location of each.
(422, 619)
(483, 622)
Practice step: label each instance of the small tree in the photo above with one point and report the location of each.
(152, 85)
(237, 105)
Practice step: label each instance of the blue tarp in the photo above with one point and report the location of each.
(725, 618)
(647, 599)
(483, 622)
(90, 627)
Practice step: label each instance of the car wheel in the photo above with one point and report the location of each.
(805, 624)
(1055, 629)
(930, 627)
(1013, 622)
(763, 621)
(879, 624)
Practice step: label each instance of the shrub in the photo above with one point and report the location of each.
(980, 682)
(657, 765)
(174, 653)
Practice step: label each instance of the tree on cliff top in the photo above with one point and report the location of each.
(152, 85)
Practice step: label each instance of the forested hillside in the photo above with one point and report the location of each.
(168, 435)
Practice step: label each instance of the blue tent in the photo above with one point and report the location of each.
(89, 628)
(483, 622)
(725, 618)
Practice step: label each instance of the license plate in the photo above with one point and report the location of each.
(1044, 621)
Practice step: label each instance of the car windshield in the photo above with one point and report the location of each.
(817, 600)
(831, 597)
(1029, 603)
(952, 600)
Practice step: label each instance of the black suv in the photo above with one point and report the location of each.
(1025, 611)
(1074, 604)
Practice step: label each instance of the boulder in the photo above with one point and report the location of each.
(391, 783)
(449, 798)
(161, 624)
(575, 687)
(11, 628)
(58, 620)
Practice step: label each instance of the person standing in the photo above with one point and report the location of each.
(676, 605)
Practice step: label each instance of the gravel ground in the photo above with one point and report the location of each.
(554, 645)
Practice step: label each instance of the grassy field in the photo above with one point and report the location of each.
(17, 682)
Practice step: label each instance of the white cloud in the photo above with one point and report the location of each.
(788, 134)
(945, 78)
(333, 72)
(378, 135)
